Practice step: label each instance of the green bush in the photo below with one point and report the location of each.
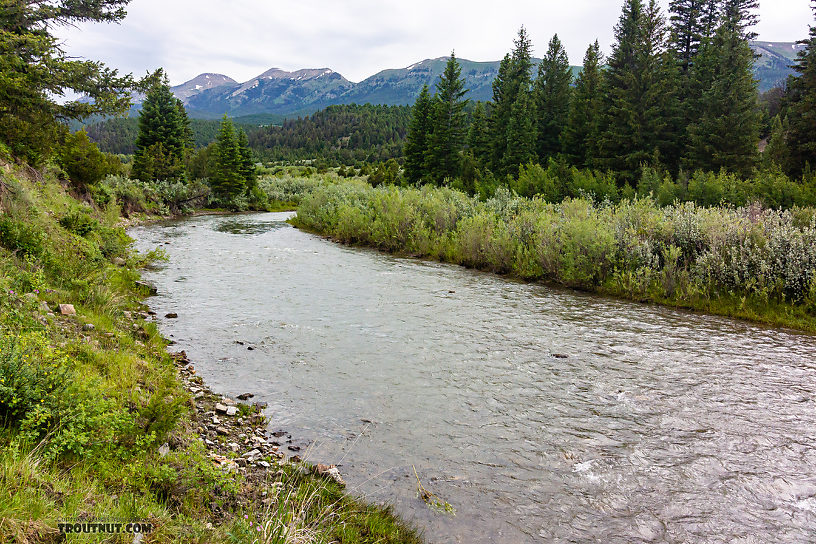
(79, 222)
(24, 238)
(84, 163)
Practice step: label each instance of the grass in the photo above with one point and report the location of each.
(87, 401)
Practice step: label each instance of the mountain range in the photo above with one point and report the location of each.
(276, 91)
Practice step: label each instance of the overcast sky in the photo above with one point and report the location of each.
(243, 38)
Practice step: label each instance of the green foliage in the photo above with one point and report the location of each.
(35, 72)
(551, 93)
(416, 143)
(228, 182)
(799, 104)
(84, 163)
(581, 132)
(344, 134)
(22, 237)
(163, 136)
(446, 139)
(726, 130)
(679, 254)
(79, 222)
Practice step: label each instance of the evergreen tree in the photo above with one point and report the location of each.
(640, 125)
(800, 105)
(478, 137)
(582, 130)
(416, 143)
(227, 181)
(710, 18)
(447, 137)
(741, 16)
(521, 136)
(776, 153)
(162, 139)
(726, 132)
(687, 22)
(552, 99)
(514, 78)
(36, 74)
(246, 160)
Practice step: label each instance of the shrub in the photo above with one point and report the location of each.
(24, 238)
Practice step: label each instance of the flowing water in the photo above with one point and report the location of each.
(659, 425)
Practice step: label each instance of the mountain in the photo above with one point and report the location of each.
(201, 83)
(772, 67)
(303, 92)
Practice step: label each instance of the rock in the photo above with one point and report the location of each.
(199, 395)
(232, 410)
(164, 449)
(67, 309)
(44, 307)
(127, 315)
(228, 401)
(296, 459)
(260, 405)
(222, 431)
(330, 471)
(147, 286)
(216, 421)
(250, 348)
(88, 327)
(560, 356)
(245, 396)
(118, 261)
(294, 448)
(171, 315)
(233, 446)
(220, 408)
(251, 454)
(278, 434)
(264, 464)
(241, 462)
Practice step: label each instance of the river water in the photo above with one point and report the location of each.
(659, 425)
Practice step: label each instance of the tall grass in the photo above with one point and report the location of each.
(748, 261)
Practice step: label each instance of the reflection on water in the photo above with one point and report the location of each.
(657, 425)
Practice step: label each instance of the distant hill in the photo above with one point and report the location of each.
(303, 92)
(772, 67)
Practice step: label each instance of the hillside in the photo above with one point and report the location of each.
(209, 96)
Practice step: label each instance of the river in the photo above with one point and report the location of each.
(538, 414)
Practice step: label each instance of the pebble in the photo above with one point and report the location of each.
(171, 315)
(232, 410)
(220, 408)
(88, 327)
(264, 464)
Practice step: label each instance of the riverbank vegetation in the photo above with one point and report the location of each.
(96, 424)
(749, 262)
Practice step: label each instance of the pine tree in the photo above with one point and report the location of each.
(447, 137)
(521, 138)
(162, 139)
(514, 78)
(478, 138)
(742, 15)
(776, 153)
(800, 105)
(227, 182)
(552, 99)
(582, 130)
(246, 160)
(641, 96)
(687, 30)
(710, 18)
(726, 133)
(416, 143)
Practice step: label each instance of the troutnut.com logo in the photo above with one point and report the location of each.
(96, 527)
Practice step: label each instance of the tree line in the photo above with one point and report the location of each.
(675, 94)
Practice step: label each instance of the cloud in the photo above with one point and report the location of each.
(242, 38)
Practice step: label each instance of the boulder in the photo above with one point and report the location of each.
(67, 309)
(220, 408)
(232, 410)
(171, 315)
(147, 286)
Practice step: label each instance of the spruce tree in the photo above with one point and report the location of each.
(162, 139)
(742, 15)
(582, 130)
(246, 160)
(710, 18)
(687, 30)
(521, 140)
(552, 99)
(726, 132)
(640, 124)
(478, 138)
(800, 106)
(514, 78)
(448, 136)
(227, 181)
(416, 142)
